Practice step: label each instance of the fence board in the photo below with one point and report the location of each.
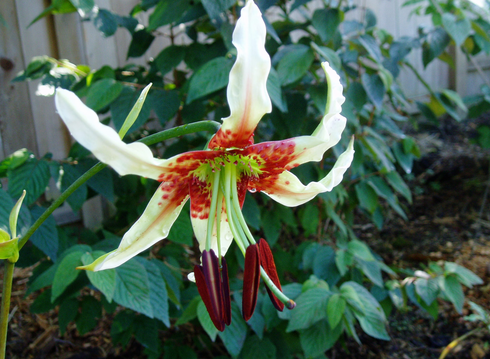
(16, 121)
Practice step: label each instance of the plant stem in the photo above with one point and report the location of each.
(8, 275)
(210, 126)
(419, 77)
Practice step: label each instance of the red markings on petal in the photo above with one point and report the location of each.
(251, 280)
(267, 262)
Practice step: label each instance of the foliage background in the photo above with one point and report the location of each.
(340, 285)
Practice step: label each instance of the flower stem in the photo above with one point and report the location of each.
(8, 275)
(149, 140)
(290, 304)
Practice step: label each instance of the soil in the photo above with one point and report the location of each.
(449, 219)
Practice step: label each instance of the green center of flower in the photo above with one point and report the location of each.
(224, 174)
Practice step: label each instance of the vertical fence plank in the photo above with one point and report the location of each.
(16, 121)
(38, 39)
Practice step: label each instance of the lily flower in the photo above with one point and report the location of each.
(217, 179)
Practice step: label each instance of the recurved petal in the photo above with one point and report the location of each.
(153, 225)
(288, 190)
(247, 91)
(335, 99)
(103, 141)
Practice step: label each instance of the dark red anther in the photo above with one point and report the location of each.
(251, 280)
(209, 285)
(267, 262)
(226, 292)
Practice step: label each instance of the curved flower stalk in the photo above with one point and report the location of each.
(217, 179)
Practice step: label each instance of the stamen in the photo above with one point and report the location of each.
(251, 280)
(212, 210)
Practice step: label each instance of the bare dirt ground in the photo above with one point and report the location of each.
(448, 220)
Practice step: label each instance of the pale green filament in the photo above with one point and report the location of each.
(212, 211)
(226, 172)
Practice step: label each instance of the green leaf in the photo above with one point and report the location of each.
(167, 11)
(104, 280)
(335, 309)
(374, 87)
(190, 312)
(105, 22)
(399, 185)
(122, 107)
(371, 318)
(329, 55)
(458, 29)
(295, 64)
(83, 6)
(385, 192)
(234, 335)
(77, 198)
(146, 332)
(134, 113)
(5, 208)
(165, 104)
(140, 43)
(66, 273)
(427, 289)
(369, 43)
(310, 219)
(32, 176)
(133, 288)
(326, 22)
(102, 93)
(67, 313)
(372, 270)
(46, 236)
(102, 182)
(215, 7)
(368, 199)
(275, 91)
(453, 290)
(318, 338)
(158, 291)
(465, 276)
(171, 282)
(211, 77)
(435, 44)
(181, 231)
(360, 250)
(90, 310)
(205, 320)
(311, 306)
(405, 160)
(324, 266)
(271, 225)
(169, 58)
(454, 97)
(251, 212)
(256, 348)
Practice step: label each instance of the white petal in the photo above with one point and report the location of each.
(247, 88)
(335, 99)
(200, 227)
(153, 225)
(289, 191)
(103, 141)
